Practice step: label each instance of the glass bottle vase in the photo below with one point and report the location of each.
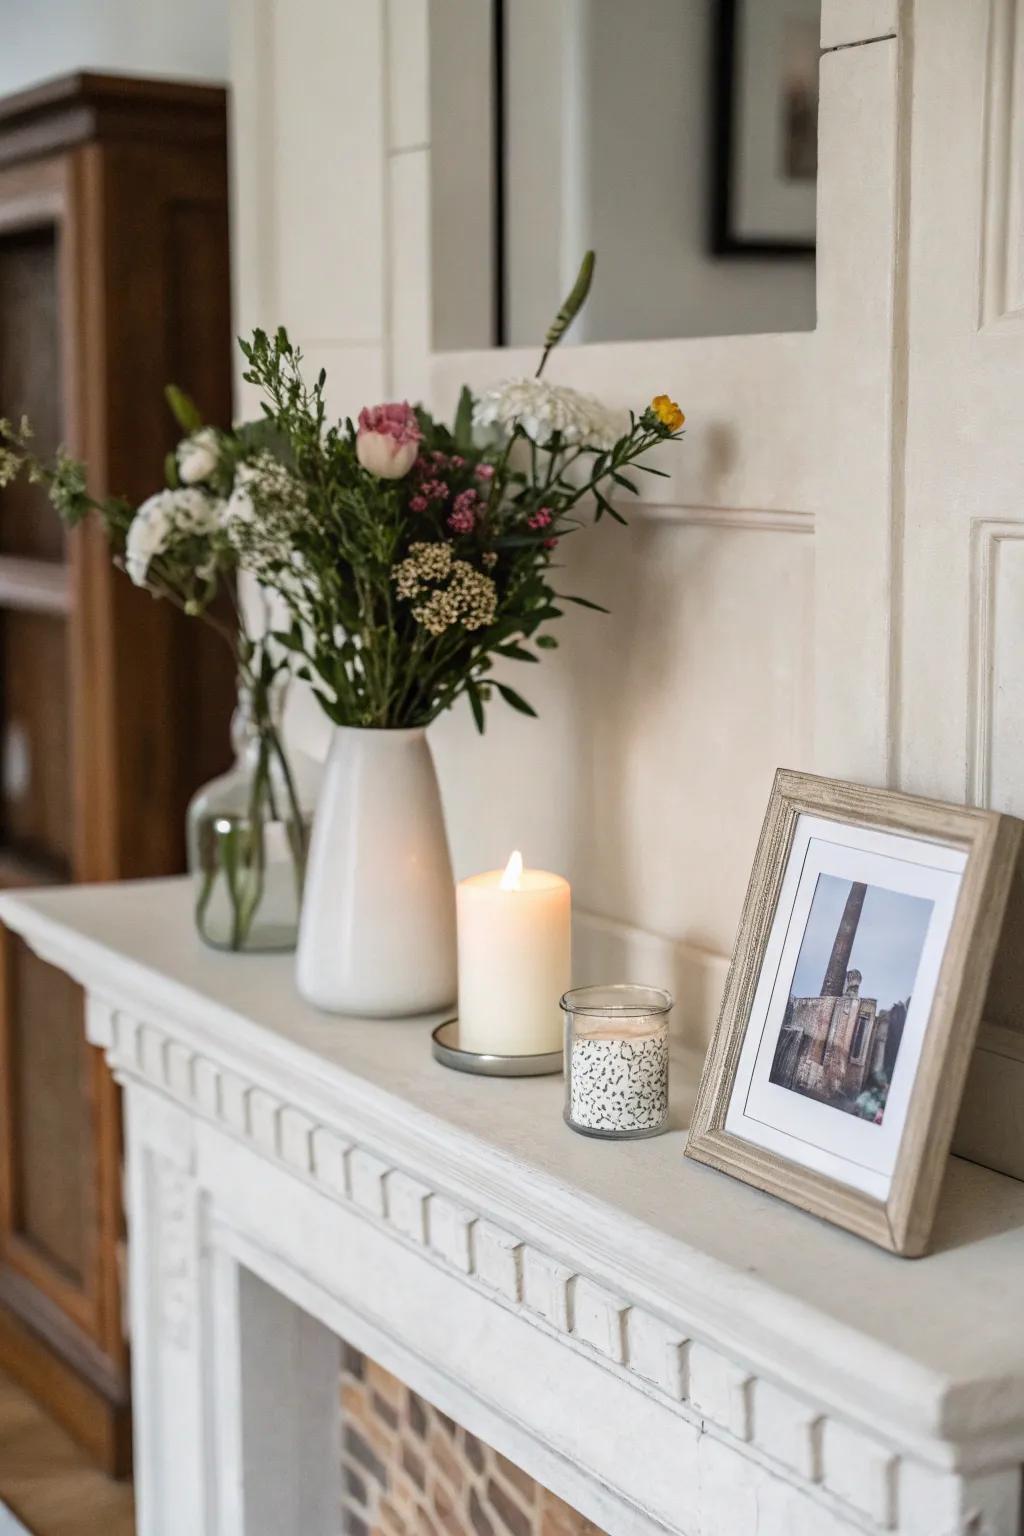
(248, 834)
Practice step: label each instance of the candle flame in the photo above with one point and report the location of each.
(511, 880)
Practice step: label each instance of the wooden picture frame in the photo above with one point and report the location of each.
(728, 234)
(981, 851)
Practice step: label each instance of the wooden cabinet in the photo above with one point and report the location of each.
(113, 708)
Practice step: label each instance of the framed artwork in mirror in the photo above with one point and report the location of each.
(765, 127)
(871, 937)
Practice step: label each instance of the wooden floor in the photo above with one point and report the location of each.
(48, 1483)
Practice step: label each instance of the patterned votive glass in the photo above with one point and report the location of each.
(616, 1060)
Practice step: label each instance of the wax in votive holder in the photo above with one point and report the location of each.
(515, 960)
(616, 1060)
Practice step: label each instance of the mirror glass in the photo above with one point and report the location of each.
(678, 138)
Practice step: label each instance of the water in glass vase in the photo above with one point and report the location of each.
(248, 834)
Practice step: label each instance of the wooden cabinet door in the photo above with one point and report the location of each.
(60, 1219)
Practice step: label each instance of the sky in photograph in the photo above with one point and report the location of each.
(887, 949)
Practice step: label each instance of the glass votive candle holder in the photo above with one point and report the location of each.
(616, 1060)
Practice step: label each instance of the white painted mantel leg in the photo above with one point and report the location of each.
(172, 1475)
(278, 1466)
(235, 1389)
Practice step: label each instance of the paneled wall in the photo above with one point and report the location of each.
(962, 694)
(794, 593)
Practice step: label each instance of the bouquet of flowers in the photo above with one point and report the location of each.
(409, 555)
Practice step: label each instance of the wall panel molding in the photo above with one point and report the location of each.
(988, 538)
(729, 519)
(1001, 280)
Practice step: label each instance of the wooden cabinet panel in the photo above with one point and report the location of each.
(49, 1127)
(35, 768)
(30, 379)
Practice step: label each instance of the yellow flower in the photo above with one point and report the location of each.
(667, 412)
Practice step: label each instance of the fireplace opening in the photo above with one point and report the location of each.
(410, 1470)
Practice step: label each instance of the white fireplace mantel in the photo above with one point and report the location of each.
(666, 1349)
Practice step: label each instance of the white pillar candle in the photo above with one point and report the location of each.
(515, 960)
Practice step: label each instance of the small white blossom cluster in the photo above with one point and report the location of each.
(541, 409)
(10, 461)
(260, 516)
(467, 596)
(164, 520)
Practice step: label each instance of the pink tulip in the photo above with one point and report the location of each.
(388, 439)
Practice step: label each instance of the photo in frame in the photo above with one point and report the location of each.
(870, 933)
(765, 127)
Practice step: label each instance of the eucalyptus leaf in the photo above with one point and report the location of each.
(264, 436)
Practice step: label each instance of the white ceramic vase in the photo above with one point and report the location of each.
(377, 931)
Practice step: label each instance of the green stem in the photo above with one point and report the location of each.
(205, 893)
(295, 822)
(256, 848)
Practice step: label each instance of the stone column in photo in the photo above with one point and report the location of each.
(834, 984)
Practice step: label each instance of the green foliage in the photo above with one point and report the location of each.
(463, 433)
(183, 409)
(571, 307)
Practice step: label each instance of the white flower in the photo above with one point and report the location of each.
(160, 520)
(541, 409)
(198, 456)
(239, 507)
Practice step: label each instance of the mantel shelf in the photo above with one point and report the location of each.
(927, 1348)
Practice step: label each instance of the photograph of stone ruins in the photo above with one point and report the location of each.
(851, 990)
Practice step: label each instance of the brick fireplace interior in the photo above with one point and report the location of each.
(410, 1470)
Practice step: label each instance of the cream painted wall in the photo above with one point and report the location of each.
(42, 38)
(830, 575)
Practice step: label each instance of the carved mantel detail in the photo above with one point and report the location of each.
(840, 1465)
(171, 1194)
